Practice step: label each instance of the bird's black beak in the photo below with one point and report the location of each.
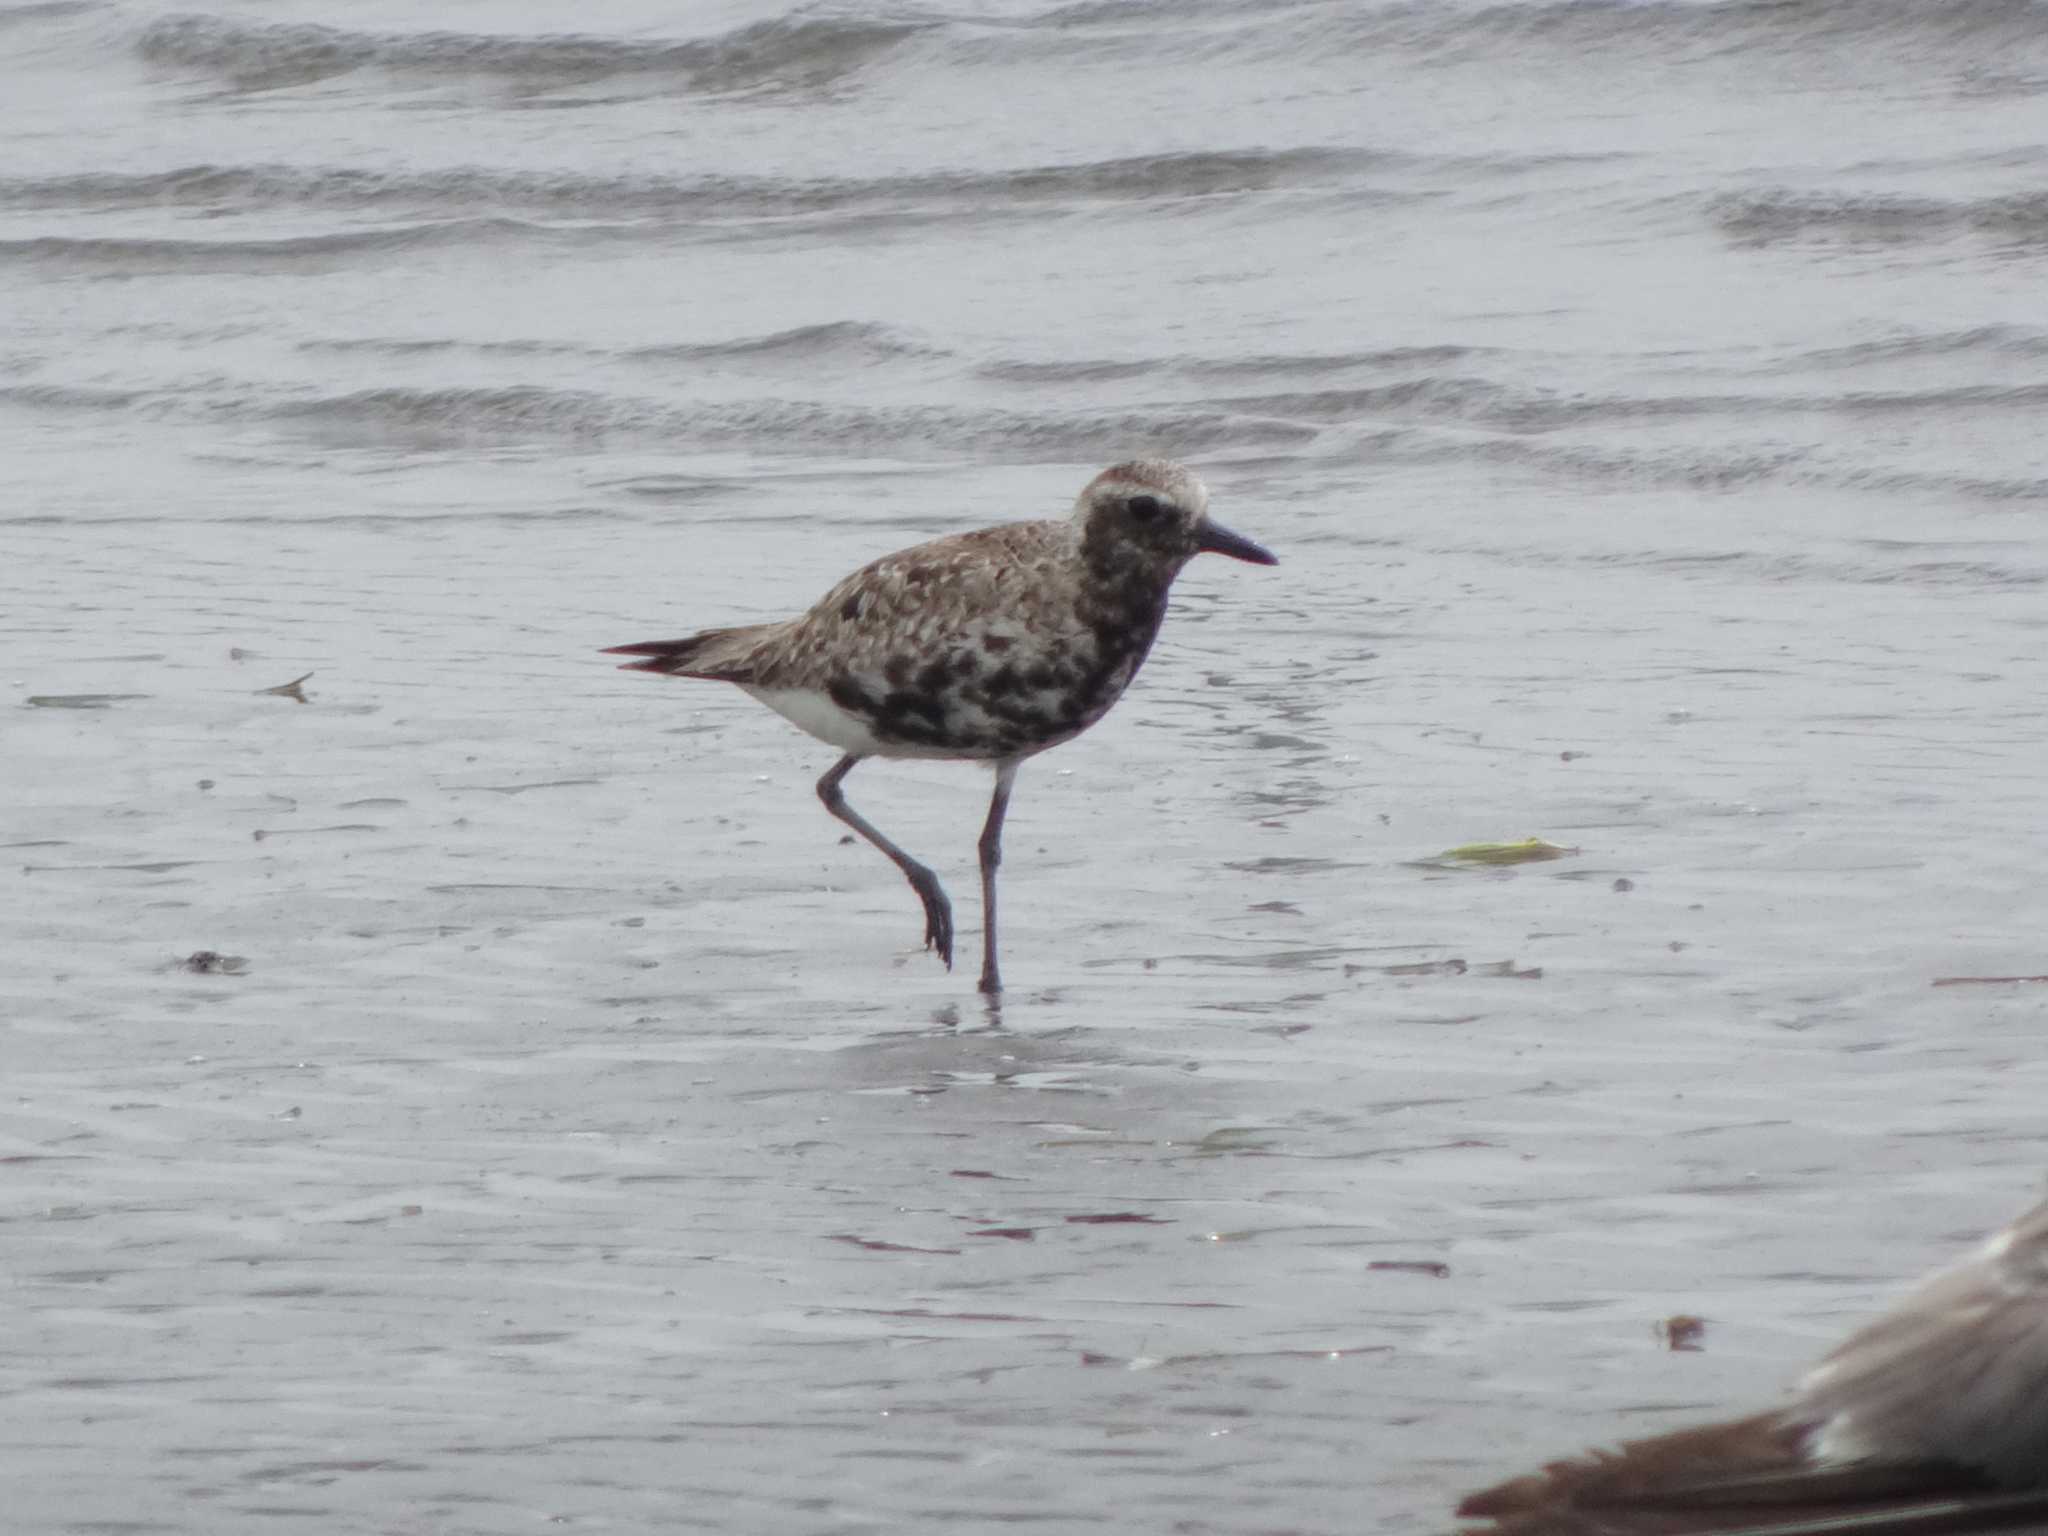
(1219, 540)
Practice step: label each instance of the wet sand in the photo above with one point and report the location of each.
(583, 1142)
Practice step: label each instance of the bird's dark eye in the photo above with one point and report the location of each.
(1145, 508)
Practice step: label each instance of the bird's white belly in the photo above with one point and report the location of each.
(814, 713)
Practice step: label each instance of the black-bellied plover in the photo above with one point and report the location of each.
(1932, 1419)
(989, 646)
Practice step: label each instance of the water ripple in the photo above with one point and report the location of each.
(793, 51)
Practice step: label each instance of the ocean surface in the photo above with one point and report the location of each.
(561, 1130)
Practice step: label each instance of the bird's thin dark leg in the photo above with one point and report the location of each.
(938, 912)
(991, 846)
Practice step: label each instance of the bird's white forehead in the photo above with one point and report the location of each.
(1161, 477)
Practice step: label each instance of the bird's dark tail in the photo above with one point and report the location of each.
(725, 655)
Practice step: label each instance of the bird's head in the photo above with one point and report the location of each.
(1154, 513)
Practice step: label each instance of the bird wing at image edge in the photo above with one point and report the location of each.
(1931, 1512)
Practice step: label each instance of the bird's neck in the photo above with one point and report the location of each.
(1124, 609)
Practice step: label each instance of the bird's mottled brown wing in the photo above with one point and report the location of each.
(983, 590)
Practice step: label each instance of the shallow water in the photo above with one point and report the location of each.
(1644, 401)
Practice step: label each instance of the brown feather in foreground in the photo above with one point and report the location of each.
(1932, 1419)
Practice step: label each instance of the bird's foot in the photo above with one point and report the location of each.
(938, 914)
(938, 929)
